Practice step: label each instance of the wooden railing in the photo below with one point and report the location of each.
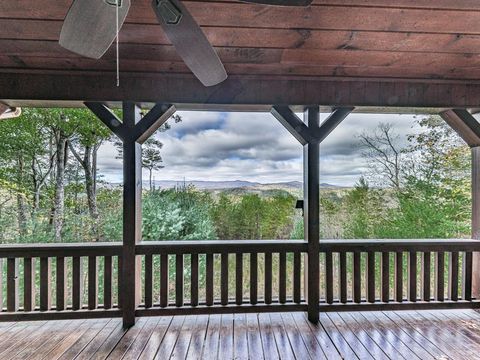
(192, 277)
(381, 274)
(42, 281)
(222, 276)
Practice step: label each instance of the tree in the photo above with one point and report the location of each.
(89, 136)
(364, 208)
(25, 162)
(382, 149)
(151, 158)
(151, 155)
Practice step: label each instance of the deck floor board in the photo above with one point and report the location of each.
(432, 334)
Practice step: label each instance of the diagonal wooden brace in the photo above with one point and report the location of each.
(464, 124)
(312, 133)
(142, 130)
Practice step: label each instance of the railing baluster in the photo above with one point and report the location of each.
(107, 282)
(209, 279)
(426, 264)
(467, 276)
(194, 279)
(297, 277)
(92, 282)
(342, 276)
(253, 278)
(412, 276)
(60, 284)
(77, 283)
(179, 280)
(1, 284)
(45, 283)
(399, 276)
(163, 280)
(29, 284)
(357, 278)
(439, 276)
(453, 276)
(282, 276)
(370, 277)
(268, 278)
(385, 259)
(148, 280)
(329, 276)
(119, 281)
(239, 278)
(224, 279)
(12, 284)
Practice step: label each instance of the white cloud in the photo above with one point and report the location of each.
(255, 147)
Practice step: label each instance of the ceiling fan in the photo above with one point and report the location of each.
(89, 30)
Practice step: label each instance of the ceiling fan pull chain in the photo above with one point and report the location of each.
(117, 3)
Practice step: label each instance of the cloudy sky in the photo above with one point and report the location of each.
(255, 147)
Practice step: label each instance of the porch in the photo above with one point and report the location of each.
(435, 334)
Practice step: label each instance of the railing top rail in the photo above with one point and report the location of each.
(61, 249)
(218, 246)
(233, 246)
(384, 245)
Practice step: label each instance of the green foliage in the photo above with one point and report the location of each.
(177, 214)
(364, 209)
(430, 199)
(254, 217)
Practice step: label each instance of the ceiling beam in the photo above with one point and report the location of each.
(263, 90)
(464, 124)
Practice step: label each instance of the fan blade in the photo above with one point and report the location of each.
(280, 2)
(90, 26)
(190, 42)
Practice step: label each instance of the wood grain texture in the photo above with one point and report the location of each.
(340, 39)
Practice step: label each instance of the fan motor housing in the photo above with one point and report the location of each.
(169, 12)
(113, 2)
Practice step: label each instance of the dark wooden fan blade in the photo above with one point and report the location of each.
(280, 2)
(190, 42)
(90, 26)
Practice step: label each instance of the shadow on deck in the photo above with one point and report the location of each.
(436, 334)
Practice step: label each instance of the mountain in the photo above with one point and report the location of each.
(235, 184)
(203, 185)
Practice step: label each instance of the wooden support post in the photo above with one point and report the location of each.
(473, 274)
(468, 128)
(132, 216)
(311, 201)
(133, 131)
(310, 134)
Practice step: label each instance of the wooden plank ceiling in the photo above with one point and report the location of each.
(340, 39)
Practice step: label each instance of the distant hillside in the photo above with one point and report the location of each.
(237, 186)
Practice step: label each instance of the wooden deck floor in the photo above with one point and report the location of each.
(452, 334)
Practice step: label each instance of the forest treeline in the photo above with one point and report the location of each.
(416, 187)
